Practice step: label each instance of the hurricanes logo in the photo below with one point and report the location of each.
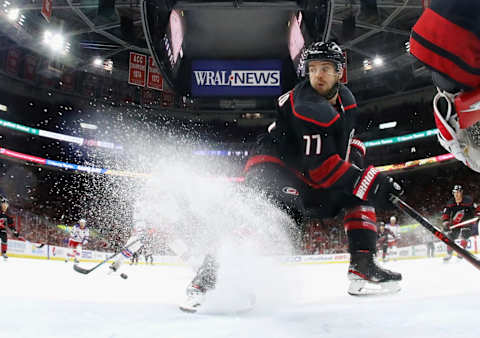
(458, 217)
(290, 191)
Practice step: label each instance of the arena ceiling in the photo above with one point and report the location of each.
(110, 29)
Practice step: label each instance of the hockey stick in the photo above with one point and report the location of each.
(87, 271)
(404, 207)
(462, 224)
(23, 239)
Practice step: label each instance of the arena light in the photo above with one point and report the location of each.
(97, 62)
(88, 126)
(13, 14)
(56, 42)
(388, 125)
(378, 61)
(3, 107)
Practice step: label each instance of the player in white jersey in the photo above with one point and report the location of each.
(134, 244)
(79, 236)
(395, 229)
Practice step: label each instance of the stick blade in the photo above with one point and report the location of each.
(80, 269)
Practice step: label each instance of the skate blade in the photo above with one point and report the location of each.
(366, 288)
(189, 309)
(211, 309)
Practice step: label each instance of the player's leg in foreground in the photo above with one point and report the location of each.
(204, 281)
(366, 276)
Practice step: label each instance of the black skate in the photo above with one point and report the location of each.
(5, 257)
(368, 278)
(447, 258)
(114, 267)
(204, 281)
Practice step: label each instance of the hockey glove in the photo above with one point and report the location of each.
(375, 187)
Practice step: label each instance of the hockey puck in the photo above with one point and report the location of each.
(124, 275)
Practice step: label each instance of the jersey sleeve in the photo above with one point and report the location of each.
(446, 215)
(357, 149)
(446, 38)
(11, 222)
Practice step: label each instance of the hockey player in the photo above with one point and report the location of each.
(309, 163)
(148, 247)
(133, 246)
(6, 221)
(78, 239)
(395, 229)
(446, 38)
(385, 235)
(459, 209)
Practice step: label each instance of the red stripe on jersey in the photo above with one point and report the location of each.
(261, 159)
(336, 176)
(350, 107)
(328, 124)
(357, 224)
(363, 212)
(450, 37)
(331, 180)
(445, 217)
(443, 64)
(325, 168)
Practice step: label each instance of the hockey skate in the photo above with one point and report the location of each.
(447, 258)
(367, 278)
(204, 281)
(114, 267)
(5, 257)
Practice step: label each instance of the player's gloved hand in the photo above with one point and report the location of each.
(375, 187)
(446, 226)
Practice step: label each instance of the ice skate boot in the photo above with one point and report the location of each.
(76, 261)
(447, 258)
(5, 257)
(114, 267)
(368, 278)
(204, 281)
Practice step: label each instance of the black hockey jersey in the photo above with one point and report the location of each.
(6, 220)
(313, 137)
(455, 213)
(446, 38)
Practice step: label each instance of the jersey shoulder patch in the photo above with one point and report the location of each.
(346, 98)
(307, 105)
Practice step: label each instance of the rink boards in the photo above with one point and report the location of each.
(51, 252)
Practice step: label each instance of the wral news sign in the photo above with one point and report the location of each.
(236, 78)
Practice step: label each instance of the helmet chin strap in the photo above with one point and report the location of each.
(332, 92)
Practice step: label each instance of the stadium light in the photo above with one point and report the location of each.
(3, 107)
(88, 126)
(378, 61)
(13, 14)
(387, 125)
(56, 42)
(97, 62)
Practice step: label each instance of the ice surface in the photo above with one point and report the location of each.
(49, 299)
